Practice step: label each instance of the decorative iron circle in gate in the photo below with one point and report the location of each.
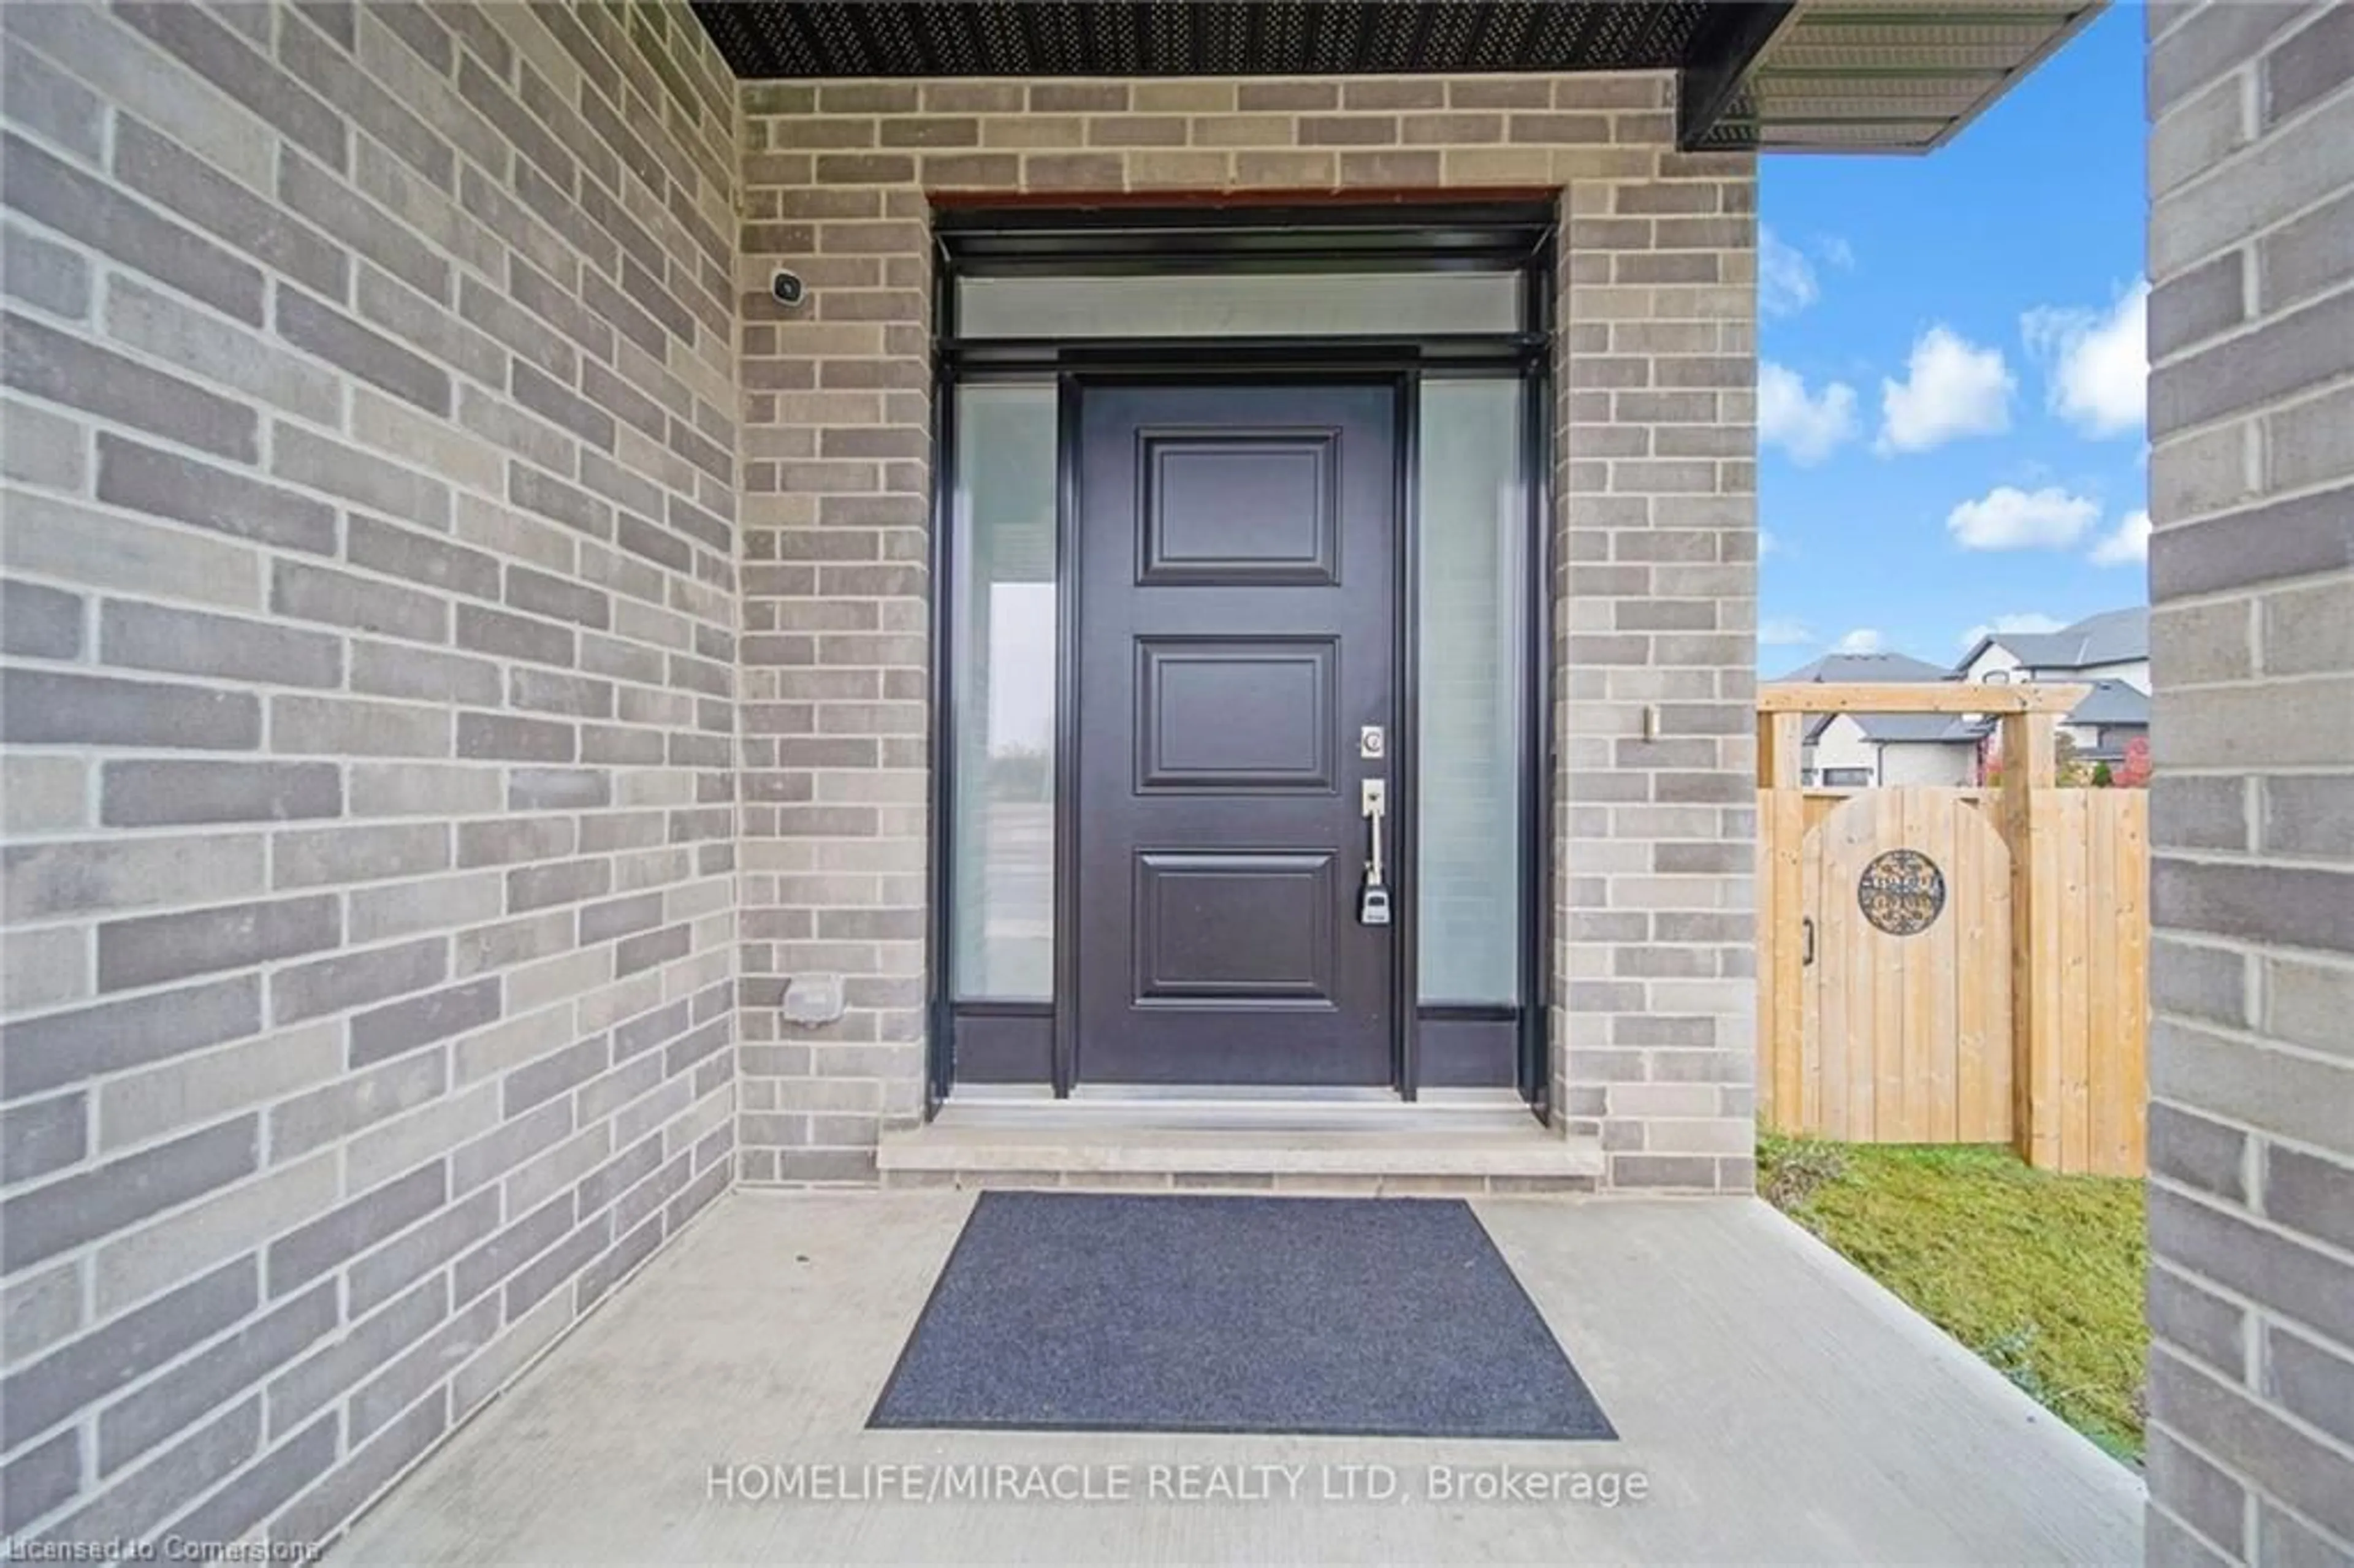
(1902, 892)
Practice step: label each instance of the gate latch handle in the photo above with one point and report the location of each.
(1807, 926)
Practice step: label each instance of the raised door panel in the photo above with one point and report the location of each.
(1238, 508)
(1232, 714)
(1216, 930)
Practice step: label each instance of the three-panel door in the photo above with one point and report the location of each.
(1236, 694)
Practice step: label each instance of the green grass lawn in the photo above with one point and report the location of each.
(2040, 1274)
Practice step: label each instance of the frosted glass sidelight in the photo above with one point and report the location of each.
(1473, 577)
(1003, 615)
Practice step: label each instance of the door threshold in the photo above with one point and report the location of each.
(1245, 1094)
(1212, 1109)
(1366, 1149)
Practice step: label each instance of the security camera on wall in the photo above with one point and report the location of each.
(788, 288)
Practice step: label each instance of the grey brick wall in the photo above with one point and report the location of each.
(2252, 582)
(1655, 606)
(369, 539)
(388, 395)
(1654, 1048)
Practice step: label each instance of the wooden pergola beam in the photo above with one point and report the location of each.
(1924, 697)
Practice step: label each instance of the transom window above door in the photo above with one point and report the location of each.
(1241, 304)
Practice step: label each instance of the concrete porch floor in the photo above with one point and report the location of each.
(1781, 1407)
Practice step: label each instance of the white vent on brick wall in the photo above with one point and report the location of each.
(813, 998)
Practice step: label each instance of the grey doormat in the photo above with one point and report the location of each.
(1349, 1316)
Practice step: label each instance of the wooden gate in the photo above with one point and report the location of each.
(1953, 965)
(1906, 1005)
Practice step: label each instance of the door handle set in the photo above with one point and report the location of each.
(1373, 901)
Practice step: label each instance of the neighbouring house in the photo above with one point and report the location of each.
(2109, 653)
(2111, 646)
(1901, 748)
(2112, 716)
(1855, 751)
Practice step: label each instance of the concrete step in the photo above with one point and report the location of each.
(1355, 1149)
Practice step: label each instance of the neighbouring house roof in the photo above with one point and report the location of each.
(1857, 75)
(1918, 729)
(1836, 667)
(1866, 667)
(2113, 637)
(2111, 703)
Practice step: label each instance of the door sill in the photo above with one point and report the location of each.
(1174, 1108)
(1240, 1093)
(1358, 1147)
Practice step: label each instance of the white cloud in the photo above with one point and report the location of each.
(2034, 621)
(1786, 279)
(1784, 633)
(2129, 546)
(1769, 542)
(2098, 362)
(1951, 388)
(1836, 250)
(1810, 427)
(1862, 640)
(2009, 519)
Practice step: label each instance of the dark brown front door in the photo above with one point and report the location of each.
(1235, 637)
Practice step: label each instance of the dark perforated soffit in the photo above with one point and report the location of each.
(1825, 75)
(1198, 37)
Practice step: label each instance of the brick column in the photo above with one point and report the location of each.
(1655, 475)
(837, 603)
(2251, 648)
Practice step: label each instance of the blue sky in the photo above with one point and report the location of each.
(1950, 401)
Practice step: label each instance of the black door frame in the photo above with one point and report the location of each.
(1508, 236)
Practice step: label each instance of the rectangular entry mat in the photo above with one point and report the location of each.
(1339, 1316)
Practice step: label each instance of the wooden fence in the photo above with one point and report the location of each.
(1953, 966)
